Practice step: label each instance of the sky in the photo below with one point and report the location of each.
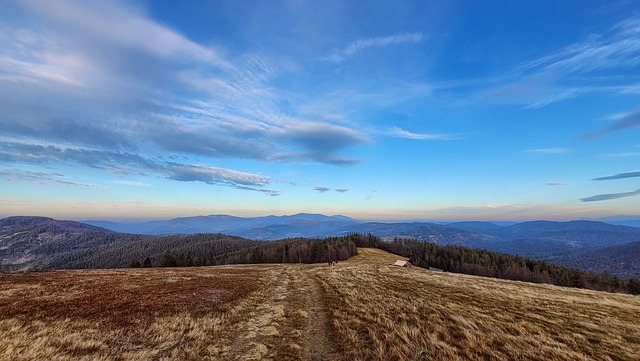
(387, 110)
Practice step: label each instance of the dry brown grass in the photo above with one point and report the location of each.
(390, 313)
(360, 309)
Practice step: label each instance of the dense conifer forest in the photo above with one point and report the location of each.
(217, 249)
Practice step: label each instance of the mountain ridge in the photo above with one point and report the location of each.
(222, 223)
(545, 240)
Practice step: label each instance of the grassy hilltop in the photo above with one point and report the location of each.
(362, 308)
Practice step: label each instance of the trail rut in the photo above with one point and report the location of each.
(319, 341)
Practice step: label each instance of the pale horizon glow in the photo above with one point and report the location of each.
(142, 110)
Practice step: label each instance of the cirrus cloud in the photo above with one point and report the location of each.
(338, 55)
(401, 133)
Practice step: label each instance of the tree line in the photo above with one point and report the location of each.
(211, 250)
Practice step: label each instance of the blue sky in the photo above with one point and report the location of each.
(433, 110)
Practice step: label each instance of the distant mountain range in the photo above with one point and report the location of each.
(590, 245)
(533, 238)
(632, 221)
(264, 228)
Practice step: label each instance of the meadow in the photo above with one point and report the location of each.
(360, 309)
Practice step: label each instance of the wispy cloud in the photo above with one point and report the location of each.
(560, 75)
(626, 122)
(619, 176)
(45, 178)
(623, 154)
(619, 48)
(557, 184)
(605, 197)
(132, 183)
(553, 150)
(338, 55)
(321, 189)
(129, 163)
(530, 91)
(610, 196)
(401, 133)
(616, 116)
(371, 195)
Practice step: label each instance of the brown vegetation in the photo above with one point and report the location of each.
(363, 309)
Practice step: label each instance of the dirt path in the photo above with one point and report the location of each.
(320, 344)
(286, 320)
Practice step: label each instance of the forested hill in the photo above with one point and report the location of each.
(46, 243)
(620, 260)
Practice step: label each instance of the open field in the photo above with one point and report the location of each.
(359, 309)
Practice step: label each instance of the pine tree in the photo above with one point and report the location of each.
(146, 263)
(135, 264)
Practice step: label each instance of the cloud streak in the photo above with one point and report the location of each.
(45, 179)
(355, 47)
(626, 122)
(610, 196)
(127, 163)
(619, 176)
(553, 150)
(321, 189)
(401, 133)
(557, 184)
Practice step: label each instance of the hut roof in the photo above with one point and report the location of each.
(402, 263)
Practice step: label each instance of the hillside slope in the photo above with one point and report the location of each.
(45, 243)
(621, 260)
(360, 309)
